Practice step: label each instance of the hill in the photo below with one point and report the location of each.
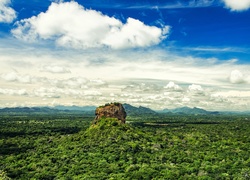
(75, 108)
(28, 110)
(48, 110)
(130, 110)
(189, 111)
(134, 111)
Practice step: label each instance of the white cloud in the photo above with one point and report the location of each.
(15, 77)
(7, 14)
(237, 5)
(219, 98)
(71, 25)
(20, 92)
(134, 34)
(54, 92)
(47, 92)
(236, 77)
(141, 88)
(54, 69)
(186, 99)
(75, 82)
(97, 82)
(195, 88)
(92, 93)
(233, 93)
(171, 85)
(10, 76)
(136, 77)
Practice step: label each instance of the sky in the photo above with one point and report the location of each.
(153, 53)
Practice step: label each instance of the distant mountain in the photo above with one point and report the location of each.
(132, 110)
(188, 110)
(50, 110)
(28, 110)
(75, 108)
(90, 110)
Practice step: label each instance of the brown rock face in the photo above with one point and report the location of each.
(113, 110)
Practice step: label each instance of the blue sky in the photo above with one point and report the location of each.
(205, 24)
(153, 53)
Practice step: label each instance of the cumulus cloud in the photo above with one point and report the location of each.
(237, 5)
(71, 25)
(55, 92)
(236, 77)
(7, 14)
(216, 97)
(195, 88)
(20, 92)
(47, 92)
(54, 69)
(15, 77)
(172, 86)
(186, 99)
(92, 93)
(77, 83)
(134, 34)
(141, 88)
(9, 76)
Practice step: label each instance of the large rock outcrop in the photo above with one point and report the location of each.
(113, 110)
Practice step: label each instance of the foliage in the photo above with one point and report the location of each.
(164, 147)
(3, 176)
(108, 104)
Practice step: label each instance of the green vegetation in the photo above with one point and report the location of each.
(108, 104)
(158, 147)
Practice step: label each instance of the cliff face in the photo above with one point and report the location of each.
(113, 110)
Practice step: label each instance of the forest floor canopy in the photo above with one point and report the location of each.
(67, 146)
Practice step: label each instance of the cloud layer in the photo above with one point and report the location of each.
(154, 78)
(71, 25)
(82, 91)
(7, 14)
(237, 5)
(55, 69)
(236, 77)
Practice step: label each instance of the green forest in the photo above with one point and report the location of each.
(69, 146)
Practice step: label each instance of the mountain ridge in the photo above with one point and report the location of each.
(131, 110)
(188, 110)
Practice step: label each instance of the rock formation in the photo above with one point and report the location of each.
(113, 110)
